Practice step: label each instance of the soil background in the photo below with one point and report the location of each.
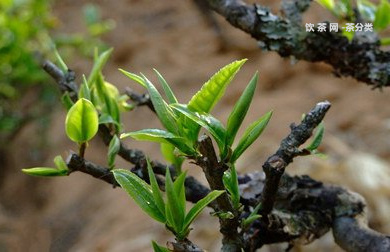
(80, 213)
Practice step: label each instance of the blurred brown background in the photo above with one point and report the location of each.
(79, 213)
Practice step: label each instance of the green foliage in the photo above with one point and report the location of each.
(157, 196)
(25, 28)
(377, 13)
(211, 92)
(84, 91)
(24, 25)
(199, 206)
(205, 120)
(45, 172)
(140, 191)
(250, 135)
(367, 9)
(342, 9)
(82, 121)
(61, 170)
(252, 217)
(167, 89)
(164, 112)
(67, 101)
(175, 207)
(239, 111)
(100, 102)
(169, 153)
(172, 211)
(158, 248)
(317, 139)
(104, 95)
(230, 181)
(113, 149)
(329, 4)
(183, 121)
(134, 77)
(98, 65)
(154, 135)
(382, 17)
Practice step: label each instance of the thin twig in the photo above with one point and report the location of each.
(195, 191)
(275, 165)
(140, 99)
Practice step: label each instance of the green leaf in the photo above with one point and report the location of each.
(113, 149)
(317, 138)
(110, 106)
(256, 210)
(253, 216)
(250, 219)
(153, 135)
(385, 41)
(230, 182)
(240, 109)
(167, 89)
(60, 163)
(98, 66)
(45, 172)
(164, 112)
(140, 191)
(134, 77)
(111, 90)
(60, 61)
(348, 34)
(67, 101)
(180, 191)
(343, 9)
(199, 206)
(382, 17)
(209, 95)
(174, 210)
(161, 136)
(250, 135)
(158, 248)
(84, 91)
(106, 118)
(168, 152)
(328, 4)
(211, 124)
(82, 121)
(158, 199)
(366, 9)
(211, 92)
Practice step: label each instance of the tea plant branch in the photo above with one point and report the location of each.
(77, 163)
(214, 171)
(353, 234)
(292, 208)
(195, 191)
(184, 246)
(140, 99)
(361, 59)
(66, 82)
(306, 209)
(275, 165)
